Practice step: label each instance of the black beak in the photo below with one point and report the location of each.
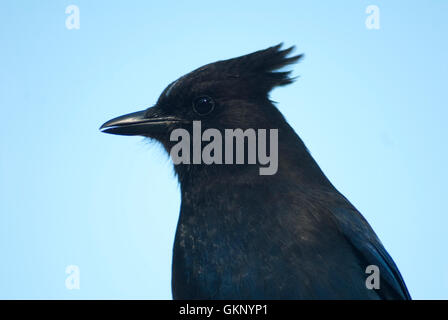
(138, 123)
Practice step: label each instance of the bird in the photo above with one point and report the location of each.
(289, 234)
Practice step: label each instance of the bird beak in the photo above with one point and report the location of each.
(137, 123)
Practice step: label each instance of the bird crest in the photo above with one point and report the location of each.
(263, 66)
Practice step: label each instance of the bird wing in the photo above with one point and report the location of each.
(369, 249)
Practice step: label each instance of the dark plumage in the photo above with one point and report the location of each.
(242, 235)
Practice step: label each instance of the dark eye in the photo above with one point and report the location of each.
(203, 105)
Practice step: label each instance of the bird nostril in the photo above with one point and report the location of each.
(151, 113)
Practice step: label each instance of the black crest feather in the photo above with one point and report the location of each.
(263, 66)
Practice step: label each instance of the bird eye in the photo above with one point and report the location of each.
(203, 105)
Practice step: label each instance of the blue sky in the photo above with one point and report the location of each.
(369, 104)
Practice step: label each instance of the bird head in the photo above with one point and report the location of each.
(224, 94)
(228, 94)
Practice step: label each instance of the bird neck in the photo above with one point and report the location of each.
(295, 166)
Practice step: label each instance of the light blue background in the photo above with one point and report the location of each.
(370, 105)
